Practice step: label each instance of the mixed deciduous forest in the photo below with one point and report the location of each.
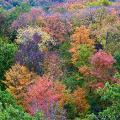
(59, 59)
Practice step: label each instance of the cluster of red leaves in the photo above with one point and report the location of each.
(42, 94)
(46, 92)
(102, 62)
(102, 67)
(57, 28)
(97, 85)
(101, 70)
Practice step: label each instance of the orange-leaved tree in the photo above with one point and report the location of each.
(17, 79)
(80, 99)
(81, 48)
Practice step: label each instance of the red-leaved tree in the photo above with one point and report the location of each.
(41, 95)
(59, 29)
(102, 63)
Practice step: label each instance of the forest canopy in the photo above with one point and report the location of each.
(59, 60)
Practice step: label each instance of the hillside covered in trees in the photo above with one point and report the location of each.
(59, 60)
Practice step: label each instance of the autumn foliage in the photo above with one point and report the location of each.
(59, 29)
(29, 18)
(102, 63)
(30, 55)
(17, 79)
(80, 99)
(80, 37)
(52, 66)
(55, 58)
(42, 94)
(74, 6)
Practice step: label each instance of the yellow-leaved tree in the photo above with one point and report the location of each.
(17, 80)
